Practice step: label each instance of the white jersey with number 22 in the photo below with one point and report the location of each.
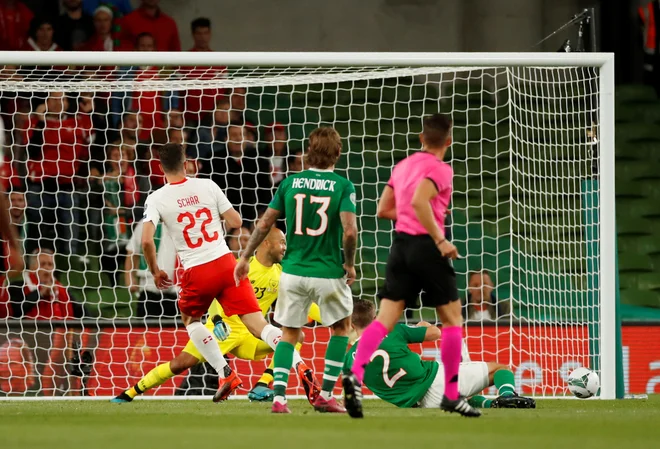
(191, 210)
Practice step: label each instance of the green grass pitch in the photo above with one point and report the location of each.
(239, 424)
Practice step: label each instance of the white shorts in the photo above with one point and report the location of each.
(297, 294)
(472, 379)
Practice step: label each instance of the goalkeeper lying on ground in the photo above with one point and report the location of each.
(399, 376)
(264, 274)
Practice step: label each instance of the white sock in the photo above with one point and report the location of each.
(296, 358)
(279, 399)
(271, 335)
(206, 344)
(327, 395)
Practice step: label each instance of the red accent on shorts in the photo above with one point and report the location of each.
(201, 284)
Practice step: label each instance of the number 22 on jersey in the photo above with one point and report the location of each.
(191, 222)
(322, 211)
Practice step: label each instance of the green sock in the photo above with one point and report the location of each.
(334, 362)
(479, 402)
(283, 359)
(505, 382)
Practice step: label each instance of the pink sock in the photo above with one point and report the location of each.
(371, 338)
(450, 354)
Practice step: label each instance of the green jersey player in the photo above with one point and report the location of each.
(399, 376)
(319, 207)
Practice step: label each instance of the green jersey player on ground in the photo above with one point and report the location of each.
(399, 376)
(319, 207)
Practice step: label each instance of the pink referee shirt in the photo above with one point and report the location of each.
(406, 176)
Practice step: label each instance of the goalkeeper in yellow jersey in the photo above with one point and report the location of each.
(233, 337)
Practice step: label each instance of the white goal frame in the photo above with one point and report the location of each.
(603, 61)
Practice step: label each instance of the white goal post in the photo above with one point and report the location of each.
(533, 204)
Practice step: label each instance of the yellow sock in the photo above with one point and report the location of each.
(153, 378)
(298, 346)
(131, 392)
(267, 376)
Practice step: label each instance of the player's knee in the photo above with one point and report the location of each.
(494, 367)
(450, 314)
(255, 323)
(301, 337)
(188, 320)
(182, 362)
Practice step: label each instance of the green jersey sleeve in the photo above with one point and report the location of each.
(411, 334)
(348, 359)
(348, 200)
(277, 202)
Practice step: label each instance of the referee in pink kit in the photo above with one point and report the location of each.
(416, 198)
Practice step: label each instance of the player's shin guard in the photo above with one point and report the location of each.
(157, 376)
(267, 376)
(334, 361)
(504, 381)
(271, 335)
(450, 347)
(283, 362)
(371, 338)
(206, 344)
(479, 401)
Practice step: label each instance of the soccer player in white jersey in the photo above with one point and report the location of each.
(192, 211)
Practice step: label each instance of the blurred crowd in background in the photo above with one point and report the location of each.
(78, 167)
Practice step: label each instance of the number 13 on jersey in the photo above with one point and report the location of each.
(322, 211)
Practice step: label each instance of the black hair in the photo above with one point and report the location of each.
(172, 157)
(200, 22)
(145, 34)
(437, 129)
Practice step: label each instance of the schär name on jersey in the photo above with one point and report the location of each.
(189, 201)
(314, 184)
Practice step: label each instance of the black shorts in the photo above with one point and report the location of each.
(415, 265)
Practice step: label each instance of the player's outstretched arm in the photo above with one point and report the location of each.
(161, 279)
(260, 232)
(232, 218)
(349, 223)
(432, 332)
(387, 205)
(421, 204)
(420, 333)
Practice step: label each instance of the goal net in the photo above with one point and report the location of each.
(79, 159)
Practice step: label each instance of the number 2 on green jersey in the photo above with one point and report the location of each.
(324, 201)
(389, 381)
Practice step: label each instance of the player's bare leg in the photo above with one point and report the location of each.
(388, 315)
(334, 357)
(450, 354)
(207, 346)
(158, 376)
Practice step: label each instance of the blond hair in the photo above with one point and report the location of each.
(324, 148)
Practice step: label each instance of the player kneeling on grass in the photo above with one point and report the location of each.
(233, 336)
(399, 376)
